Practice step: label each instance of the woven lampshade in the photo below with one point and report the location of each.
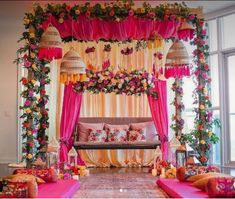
(50, 45)
(186, 26)
(177, 55)
(72, 67)
(185, 31)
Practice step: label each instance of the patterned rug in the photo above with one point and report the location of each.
(119, 183)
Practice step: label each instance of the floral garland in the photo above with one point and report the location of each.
(35, 115)
(202, 137)
(134, 83)
(179, 107)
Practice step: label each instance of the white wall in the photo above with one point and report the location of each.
(11, 28)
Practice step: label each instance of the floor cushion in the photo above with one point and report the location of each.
(176, 189)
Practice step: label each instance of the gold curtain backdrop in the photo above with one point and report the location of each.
(111, 105)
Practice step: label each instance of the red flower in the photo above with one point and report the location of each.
(45, 113)
(203, 159)
(88, 14)
(206, 67)
(44, 125)
(111, 13)
(200, 127)
(68, 7)
(26, 125)
(43, 92)
(61, 15)
(201, 23)
(24, 81)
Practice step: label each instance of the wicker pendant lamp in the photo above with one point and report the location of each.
(72, 67)
(177, 61)
(50, 46)
(185, 31)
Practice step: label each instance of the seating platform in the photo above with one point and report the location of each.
(59, 189)
(176, 189)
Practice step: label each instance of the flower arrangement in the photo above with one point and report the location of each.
(134, 83)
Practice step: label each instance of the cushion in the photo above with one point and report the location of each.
(201, 183)
(151, 132)
(85, 128)
(200, 176)
(116, 126)
(48, 175)
(180, 174)
(221, 187)
(31, 182)
(117, 135)
(13, 189)
(97, 136)
(137, 135)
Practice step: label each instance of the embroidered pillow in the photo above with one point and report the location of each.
(151, 132)
(116, 126)
(97, 136)
(221, 187)
(117, 135)
(85, 128)
(137, 135)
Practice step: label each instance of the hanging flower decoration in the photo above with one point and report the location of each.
(127, 51)
(136, 82)
(107, 48)
(179, 107)
(90, 50)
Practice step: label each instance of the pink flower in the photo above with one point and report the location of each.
(204, 75)
(204, 32)
(27, 63)
(33, 46)
(151, 14)
(27, 103)
(30, 93)
(191, 17)
(172, 17)
(196, 73)
(131, 12)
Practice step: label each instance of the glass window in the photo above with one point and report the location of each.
(228, 36)
(215, 80)
(188, 88)
(216, 147)
(231, 83)
(212, 34)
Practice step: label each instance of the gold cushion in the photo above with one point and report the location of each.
(200, 176)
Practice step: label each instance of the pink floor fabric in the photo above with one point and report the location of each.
(176, 189)
(60, 189)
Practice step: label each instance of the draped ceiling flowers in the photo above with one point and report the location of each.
(139, 24)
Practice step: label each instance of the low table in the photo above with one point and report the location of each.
(59, 189)
(176, 189)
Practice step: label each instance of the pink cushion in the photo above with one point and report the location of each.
(137, 135)
(97, 136)
(85, 128)
(151, 133)
(116, 126)
(60, 189)
(117, 135)
(176, 189)
(221, 187)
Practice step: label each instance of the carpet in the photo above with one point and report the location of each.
(119, 183)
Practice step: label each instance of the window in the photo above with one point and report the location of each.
(228, 31)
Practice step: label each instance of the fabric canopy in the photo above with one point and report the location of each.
(130, 28)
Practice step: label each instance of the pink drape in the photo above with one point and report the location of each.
(159, 111)
(130, 28)
(70, 115)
